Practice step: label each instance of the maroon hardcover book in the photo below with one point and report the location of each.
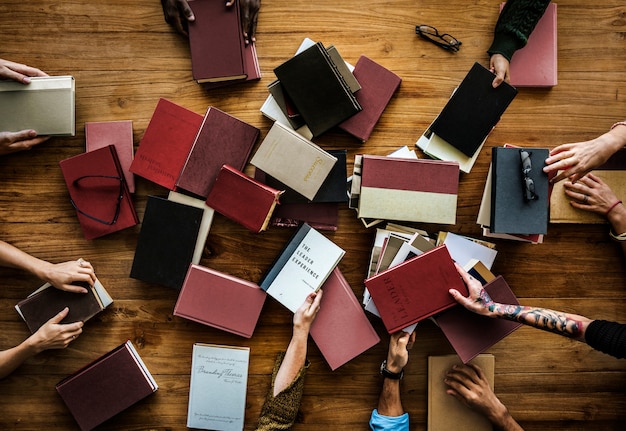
(251, 65)
(98, 192)
(341, 329)
(243, 199)
(378, 86)
(216, 42)
(222, 301)
(106, 387)
(322, 215)
(166, 142)
(117, 133)
(221, 140)
(471, 334)
(415, 289)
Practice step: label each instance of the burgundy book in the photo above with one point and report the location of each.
(166, 143)
(341, 329)
(471, 334)
(378, 86)
(120, 135)
(98, 192)
(251, 65)
(121, 379)
(221, 140)
(216, 42)
(221, 301)
(415, 289)
(320, 215)
(243, 199)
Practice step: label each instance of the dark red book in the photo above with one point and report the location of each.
(120, 135)
(243, 199)
(471, 334)
(415, 289)
(98, 192)
(251, 65)
(321, 216)
(378, 85)
(166, 142)
(221, 140)
(221, 301)
(341, 329)
(106, 387)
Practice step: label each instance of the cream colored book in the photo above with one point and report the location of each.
(293, 160)
(45, 105)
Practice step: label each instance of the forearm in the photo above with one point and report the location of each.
(506, 423)
(389, 402)
(13, 257)
(294, 360)
(12, 358)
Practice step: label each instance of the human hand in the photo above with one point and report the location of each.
(398, 355)
(590, 193)
(305, 315)
(12, 142)
(249, 16)
(577, 159)
(478, 300)
(18, 72)
(499, 65)
(177, 14)
(64, 275)
(54, 335)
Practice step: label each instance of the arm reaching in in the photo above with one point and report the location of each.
(12, 142)
(389, 402)
(499, 65)
(249, 17)
(18, 72)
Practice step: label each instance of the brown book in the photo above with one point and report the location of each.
(243, 199)
(221, 140)
(106, 387)
(222, 301)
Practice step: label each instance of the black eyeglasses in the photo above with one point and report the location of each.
(527, 183)
(445, 40)
(101, 185)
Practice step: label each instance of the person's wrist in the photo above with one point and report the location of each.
(391, 370)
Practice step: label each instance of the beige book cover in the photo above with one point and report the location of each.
(293, 160)
(45, 105)
(446, 412)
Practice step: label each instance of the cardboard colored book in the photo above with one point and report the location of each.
(221, 140)
(121, 378)
(243, 199)
(166, 242)
(46, 105)
(512, 211)
(415, 289)
(473, 110)
(293, 160)
(339, 308)
(446, 412)
(220, 300)
(216, 42)
(318, 91)
(98, 192)
(119, 134)
(471, 334)
(402, 189)
(218, 387)
(378, 85)
(535, 65)
(165, 145)
(303, 265)
(205, 224)
(47, 301)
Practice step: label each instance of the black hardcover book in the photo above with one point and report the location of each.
(317, 89)
(519, 191)
(166, 242)
(473, 110)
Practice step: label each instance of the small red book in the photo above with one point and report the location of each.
(341, 329)
(166, 143)
(221, 140)
(415, 289)
(243, 199)
(221, 301)
(120, 135)
(98, 192)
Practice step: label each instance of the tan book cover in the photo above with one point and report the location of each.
(46, 105)
(446, 412)
(293, 160)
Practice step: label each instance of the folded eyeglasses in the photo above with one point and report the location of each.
(445, 40)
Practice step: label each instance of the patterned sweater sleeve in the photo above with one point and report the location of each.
(515, 24)
(607, 337)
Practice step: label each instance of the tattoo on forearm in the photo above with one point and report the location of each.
(541, 318)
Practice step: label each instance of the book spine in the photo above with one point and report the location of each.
(284, 256)
(340, 77)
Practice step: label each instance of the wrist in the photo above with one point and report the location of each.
(391, 371)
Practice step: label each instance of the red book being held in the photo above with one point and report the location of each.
(415, 289)
(243, 199)
(98, 192)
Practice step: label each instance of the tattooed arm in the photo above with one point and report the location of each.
(479, 302)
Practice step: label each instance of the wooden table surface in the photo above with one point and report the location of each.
(125, 57)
